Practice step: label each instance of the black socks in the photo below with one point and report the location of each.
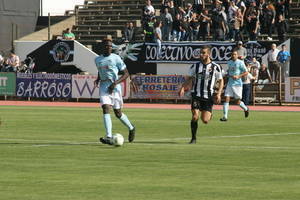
(194, 127)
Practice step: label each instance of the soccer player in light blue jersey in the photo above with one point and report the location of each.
(110, 66)
(236, 70)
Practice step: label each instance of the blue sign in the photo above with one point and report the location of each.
(44, 85)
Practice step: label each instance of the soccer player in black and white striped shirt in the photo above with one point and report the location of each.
(202, 78)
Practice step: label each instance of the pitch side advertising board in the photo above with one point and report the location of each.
(41, 85)
(83, 87)
(157, 86)
(292, 89)
(7, 84)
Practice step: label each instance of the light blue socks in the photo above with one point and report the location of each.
(243, 106)
(225, 109)
(124, 119)
(107, 125)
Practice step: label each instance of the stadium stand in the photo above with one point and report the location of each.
(97, 19)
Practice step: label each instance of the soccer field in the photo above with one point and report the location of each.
(53, 153)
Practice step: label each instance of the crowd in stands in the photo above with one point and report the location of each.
(225, 20)
(12, 63)
(261, 74)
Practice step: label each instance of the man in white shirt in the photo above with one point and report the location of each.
(158, 38)
(13, 61)
(149, 9)
(273, 64)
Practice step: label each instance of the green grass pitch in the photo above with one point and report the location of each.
(52, 153)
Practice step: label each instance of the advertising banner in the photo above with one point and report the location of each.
(83, 87)
(156, 86)
(7, 84)
(41, 85)
(292, 89)
(189, 52)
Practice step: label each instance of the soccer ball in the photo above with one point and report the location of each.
(118, 139)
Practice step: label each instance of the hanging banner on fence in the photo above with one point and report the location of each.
(156, 86)
(188, 52)
(7, 84)
(44, 85)
(83, 87)
(292, 89)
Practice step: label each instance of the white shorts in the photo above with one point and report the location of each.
(115, 99)
(234, 91)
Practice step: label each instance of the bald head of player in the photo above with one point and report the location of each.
(205, 55)
(106, 46)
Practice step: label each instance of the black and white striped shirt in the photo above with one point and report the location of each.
(205, 77)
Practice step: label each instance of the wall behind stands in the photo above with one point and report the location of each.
(19, 19)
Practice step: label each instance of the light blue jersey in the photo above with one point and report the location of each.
(108, 69)
(236, 68)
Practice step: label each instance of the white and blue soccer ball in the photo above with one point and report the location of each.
(118, 139)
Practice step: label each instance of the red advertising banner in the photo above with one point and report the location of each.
(156, 86)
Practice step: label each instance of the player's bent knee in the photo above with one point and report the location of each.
(205, 121)
(195, 118)
(118, 113)
(105, 109)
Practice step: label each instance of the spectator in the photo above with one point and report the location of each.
(1, 62)
(6, 67)
(269, 17)
(246, 95)
(264, 76)
(1, 58)
(253, 25)
(13, 61)
(177, 28)
(68, 35)
(226, 4)
(194, 24)
(129, 32)
(232, 11)
(148, 13)
(149, 30)
(164, 5)
(189, 11)
(279, 8)
(148, 10)
(204, 29)
(198, 5)
(185, 30)
(283, 58)
(282, 28)
(241, 5)
(255, 66)
(252, 20)
(172, 9)
(218, 23)
(238, 24)
(178, 3)
(242, 51)
(273, 63)
(262, 8)
(287, 10)
(158, 37)
(167, 21)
